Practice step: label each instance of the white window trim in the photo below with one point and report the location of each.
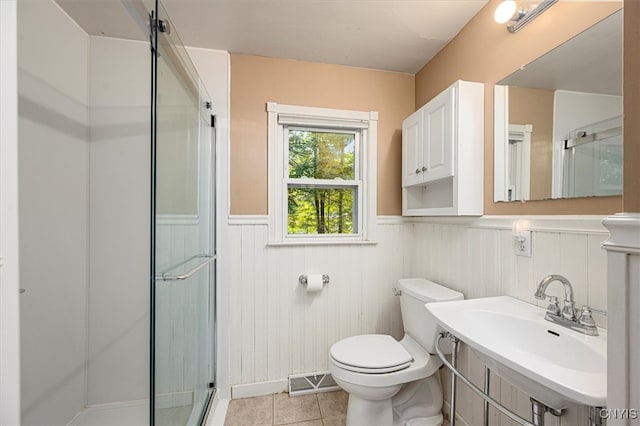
(367, 121)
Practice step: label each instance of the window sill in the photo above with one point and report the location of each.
(323, 243)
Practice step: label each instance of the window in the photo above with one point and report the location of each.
(322, 175)
(323, 181)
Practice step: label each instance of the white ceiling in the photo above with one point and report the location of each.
(394, 35)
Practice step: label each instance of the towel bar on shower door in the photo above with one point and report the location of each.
(208, 258)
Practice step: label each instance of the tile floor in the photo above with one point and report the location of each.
(322, 409)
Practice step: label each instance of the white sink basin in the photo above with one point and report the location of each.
(551, 363)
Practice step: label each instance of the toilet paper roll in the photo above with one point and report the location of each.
(314, 283)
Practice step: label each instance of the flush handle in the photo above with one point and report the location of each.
(396, 292)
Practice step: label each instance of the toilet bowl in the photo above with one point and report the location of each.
(394, 382)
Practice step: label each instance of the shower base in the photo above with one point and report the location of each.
(134, 413)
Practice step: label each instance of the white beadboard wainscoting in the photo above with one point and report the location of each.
(278, 329)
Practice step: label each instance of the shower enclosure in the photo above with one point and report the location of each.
(117, 210)
(182, 235)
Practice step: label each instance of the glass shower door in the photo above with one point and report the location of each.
(592, 160)
(183, 237)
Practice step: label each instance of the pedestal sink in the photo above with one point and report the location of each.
(553, 364)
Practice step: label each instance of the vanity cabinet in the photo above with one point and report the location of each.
(442, 154)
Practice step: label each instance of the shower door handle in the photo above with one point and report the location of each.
(208, 258)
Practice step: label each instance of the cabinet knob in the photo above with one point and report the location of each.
(424, 168)
(418, 171)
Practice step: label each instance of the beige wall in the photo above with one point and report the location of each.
(486, 52)
(483, 51)
(535, 107)
(258, 80)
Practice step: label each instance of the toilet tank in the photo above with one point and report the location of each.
(418, 322)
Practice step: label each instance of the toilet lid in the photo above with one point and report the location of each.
(375, 353)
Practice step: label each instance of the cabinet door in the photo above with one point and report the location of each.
(438, 138)
(412, 146)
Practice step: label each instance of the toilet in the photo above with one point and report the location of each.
(390, 382)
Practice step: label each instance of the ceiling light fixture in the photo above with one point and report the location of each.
(505, 11)
(508, 11)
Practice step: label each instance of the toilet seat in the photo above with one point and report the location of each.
(424, 365)
(371, 354)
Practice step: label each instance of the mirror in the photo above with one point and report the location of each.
(558, 120)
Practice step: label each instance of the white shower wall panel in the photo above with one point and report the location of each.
(118, 363)
(53, 48)
(53, 204)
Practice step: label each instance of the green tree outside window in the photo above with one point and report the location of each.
(321, 209)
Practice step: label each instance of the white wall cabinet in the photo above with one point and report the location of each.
(442, 154)
(427, 134)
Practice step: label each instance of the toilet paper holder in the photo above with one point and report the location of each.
(302, 279)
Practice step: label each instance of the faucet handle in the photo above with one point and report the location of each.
(553, 307)
(585, 317)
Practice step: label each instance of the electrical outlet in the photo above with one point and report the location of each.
(523, 244)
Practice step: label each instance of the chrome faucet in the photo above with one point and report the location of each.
(569, 308)
(567, 317)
